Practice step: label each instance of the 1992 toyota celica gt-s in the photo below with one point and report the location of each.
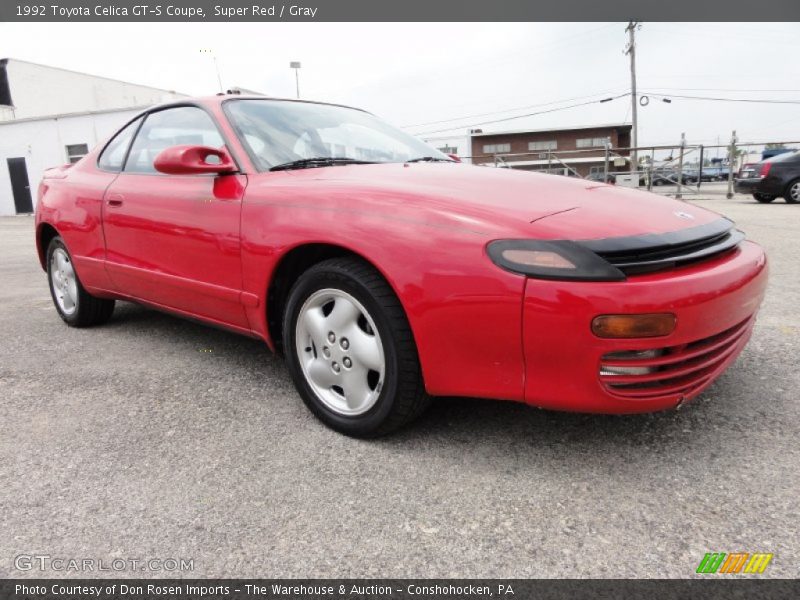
(387, 273)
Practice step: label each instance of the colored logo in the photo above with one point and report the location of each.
(737, 562)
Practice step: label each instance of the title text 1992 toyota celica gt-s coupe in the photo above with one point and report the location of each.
(387, 273)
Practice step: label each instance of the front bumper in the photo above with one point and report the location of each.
(715, 303)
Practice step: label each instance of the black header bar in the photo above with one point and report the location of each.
(709, 587)
(398, 10)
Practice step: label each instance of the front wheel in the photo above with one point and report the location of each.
(350, 350)
(74, 304)
(763, 198)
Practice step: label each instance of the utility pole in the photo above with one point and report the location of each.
(731, 161)
(680, 167)
(631, 51)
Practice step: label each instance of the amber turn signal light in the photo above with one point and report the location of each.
(633, 326)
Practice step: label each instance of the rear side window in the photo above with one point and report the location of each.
(114, 154)
(171, 127)
(784, 157)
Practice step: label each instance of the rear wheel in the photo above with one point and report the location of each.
(792, 195)
(763, 198)
(74, 304)
(350, 349)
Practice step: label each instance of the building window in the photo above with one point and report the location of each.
(598, 142)
(543, 145)
(448, 149)
(75, 152)
(496, 148)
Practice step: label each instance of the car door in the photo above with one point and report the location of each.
(174, 240)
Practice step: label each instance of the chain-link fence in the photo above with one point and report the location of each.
(677, 170)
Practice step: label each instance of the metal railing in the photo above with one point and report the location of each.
(683, 168)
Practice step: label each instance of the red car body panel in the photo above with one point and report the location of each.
(564, 357)
(176, 241)
(208, 247)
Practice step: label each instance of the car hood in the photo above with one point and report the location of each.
(549, 206)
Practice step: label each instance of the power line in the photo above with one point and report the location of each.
(719, 89)
(499, 112)
(655, 95)
(533, 114)
(752, 100)
(717, 33)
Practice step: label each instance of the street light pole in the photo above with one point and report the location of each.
(296, 66)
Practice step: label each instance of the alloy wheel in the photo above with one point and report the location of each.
(794, 192)
(340, 352)
(65, 286)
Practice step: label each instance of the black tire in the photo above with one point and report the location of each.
(402, 397)
(787, 195)
(763, 198)
(88, 310)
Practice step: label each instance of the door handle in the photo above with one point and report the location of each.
(115, 199)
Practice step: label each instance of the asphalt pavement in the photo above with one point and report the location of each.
(157, 438)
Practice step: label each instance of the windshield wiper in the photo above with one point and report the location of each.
(319, 161)
(429, 159)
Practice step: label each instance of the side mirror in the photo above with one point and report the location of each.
(193, 160)
(455, 157)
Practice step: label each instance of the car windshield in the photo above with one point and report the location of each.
(278, 133)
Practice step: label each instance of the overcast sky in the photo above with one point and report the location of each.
(412, 73)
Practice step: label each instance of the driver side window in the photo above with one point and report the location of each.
(113, 154)
(171, 127)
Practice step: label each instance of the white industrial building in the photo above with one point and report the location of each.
(461, 145)
(51, 116)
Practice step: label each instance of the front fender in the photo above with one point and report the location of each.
(465, 313)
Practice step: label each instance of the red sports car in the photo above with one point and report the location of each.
(386, 272)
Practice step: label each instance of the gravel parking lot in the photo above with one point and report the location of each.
(155, 437)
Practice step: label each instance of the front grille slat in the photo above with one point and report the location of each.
(661, 252)
(678, 370)
(684, 354)
(665, 390)
(657, 252)
(674, 371)
(680, 255)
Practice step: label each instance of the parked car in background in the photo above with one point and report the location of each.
(770, 152)
(768, 179)
(746, 167)
(691, 176)
(711, 174)
(671, 178)
(715, 173)
(602, 177)
(386, 273)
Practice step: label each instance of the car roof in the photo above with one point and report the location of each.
(221, 98)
